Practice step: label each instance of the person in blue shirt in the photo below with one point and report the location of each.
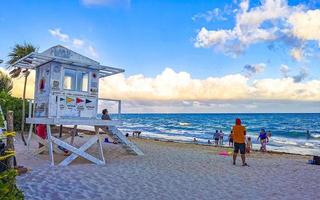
(263, 140)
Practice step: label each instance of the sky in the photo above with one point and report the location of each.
(183, 56)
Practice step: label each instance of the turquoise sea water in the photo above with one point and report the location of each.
(289, 131)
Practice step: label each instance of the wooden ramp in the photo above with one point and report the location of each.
(117, 135)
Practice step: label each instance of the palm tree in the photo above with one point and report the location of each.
(19, 51)
(6, 84)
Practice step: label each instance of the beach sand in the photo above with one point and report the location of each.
(170, 171)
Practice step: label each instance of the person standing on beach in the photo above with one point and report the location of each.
(221, 134)
(239, 135)
(216, 137)
(231, 139)
(263, 140)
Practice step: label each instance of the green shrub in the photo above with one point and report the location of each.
(8, 187)
(8, 102)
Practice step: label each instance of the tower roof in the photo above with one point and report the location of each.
(63, 55)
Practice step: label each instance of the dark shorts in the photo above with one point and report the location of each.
(239, 146)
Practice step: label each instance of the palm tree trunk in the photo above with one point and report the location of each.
(24, 108)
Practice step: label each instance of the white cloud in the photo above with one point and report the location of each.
(297, 54)
(244, 5)
(306, 25)
(207, 38)
(254, 69)
(60, 36)
(247, 30)
(173, 91)
(171, 85)
(211, 15)
(75, 43)
(284, 69)
(93, 51)
(78, 42)
(303, 73)
(273, 20)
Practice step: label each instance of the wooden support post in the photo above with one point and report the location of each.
(49, 138)
(60, 131)
(10, 144)
(29, 136)
(96, 128)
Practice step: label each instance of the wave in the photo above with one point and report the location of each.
(315, 135)
(287, 142)
(184, 124)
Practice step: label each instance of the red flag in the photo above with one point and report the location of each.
(78, 100)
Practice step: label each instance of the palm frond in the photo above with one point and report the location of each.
(15, 72)
(19, 51)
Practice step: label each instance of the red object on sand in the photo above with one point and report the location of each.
(223, 153)
(41, 131)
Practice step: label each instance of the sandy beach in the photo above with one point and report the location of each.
(169, 171)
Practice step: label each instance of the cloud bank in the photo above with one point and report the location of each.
(171, 85)
(180, 86)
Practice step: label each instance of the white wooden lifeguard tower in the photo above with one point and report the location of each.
(66, 93)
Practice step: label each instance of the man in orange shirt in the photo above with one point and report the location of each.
(239, 136)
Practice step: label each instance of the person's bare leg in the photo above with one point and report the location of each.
(73, 133)
(234, 157)
(243, 158)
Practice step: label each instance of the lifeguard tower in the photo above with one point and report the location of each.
(66, 93)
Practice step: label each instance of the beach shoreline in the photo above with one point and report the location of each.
(225, 146)
(168, 170)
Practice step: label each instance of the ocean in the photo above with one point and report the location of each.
(289, 131)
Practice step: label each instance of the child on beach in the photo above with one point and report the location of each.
(216, 137)
(231, 139)
(269, 134)
(221, 134)
(248, 145)
(263, 140)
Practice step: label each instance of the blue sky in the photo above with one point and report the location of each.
(146, 37)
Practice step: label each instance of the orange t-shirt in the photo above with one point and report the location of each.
(239, 133)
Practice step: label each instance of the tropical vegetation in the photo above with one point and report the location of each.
(8, 187)
(19, 51)
(8, 102)
(6, 83)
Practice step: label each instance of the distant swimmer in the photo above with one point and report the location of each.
(308, 135)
